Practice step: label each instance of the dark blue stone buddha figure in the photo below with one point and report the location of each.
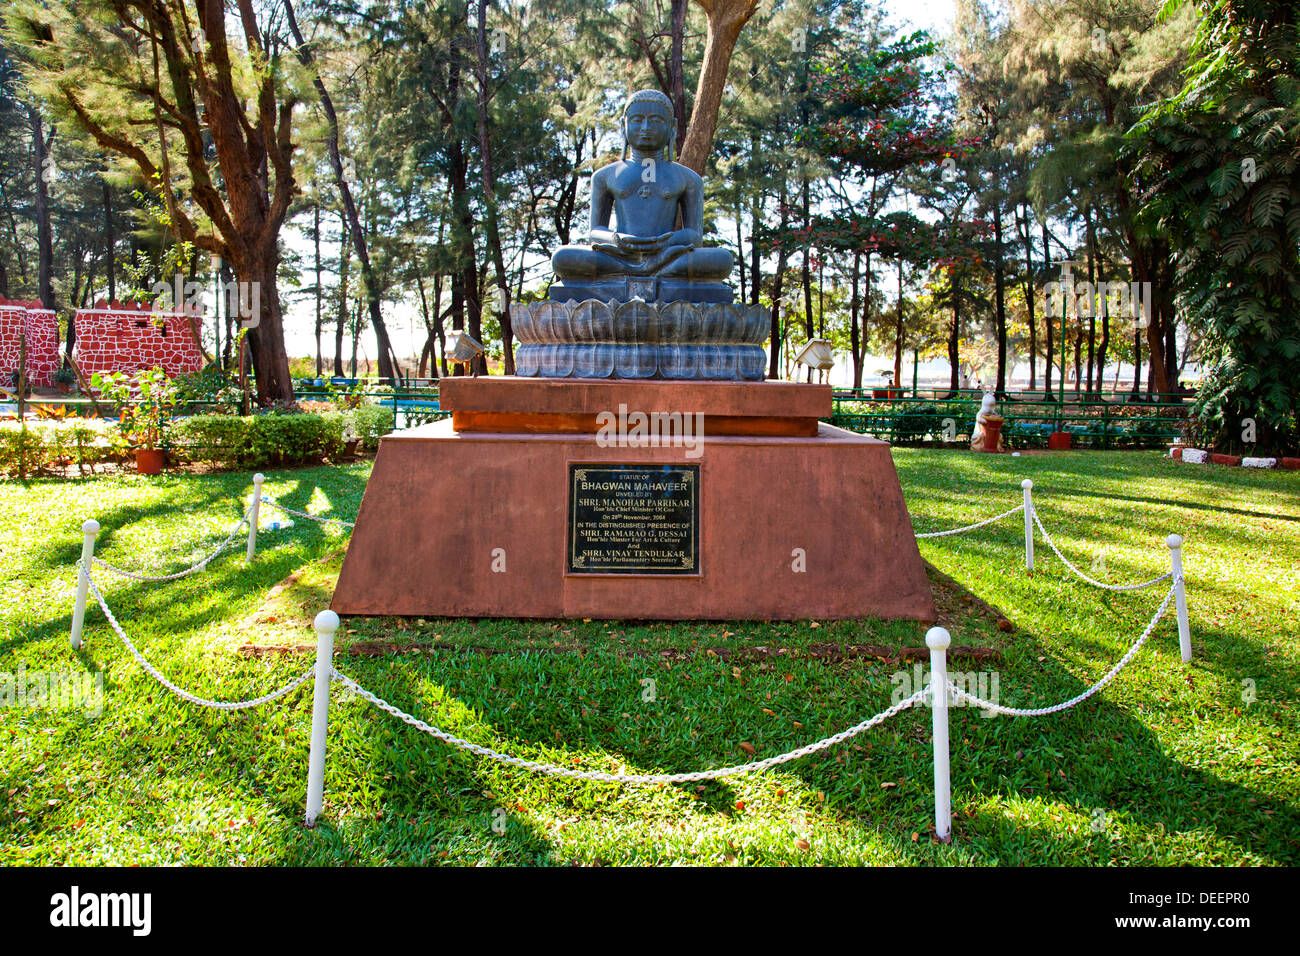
(645, 298)
(646, 256)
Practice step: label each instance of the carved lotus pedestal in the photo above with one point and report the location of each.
(573, 498)
(638, 340)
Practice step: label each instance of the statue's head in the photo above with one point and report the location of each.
(648, 121)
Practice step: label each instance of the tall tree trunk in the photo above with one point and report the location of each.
(999, 302)
(1092, 306)
(493, 234)
(855, 303)
(740, 247)
(345, 259)
(726, 18)
(44, 239)
(778, 287)
(676, 78)
(388, 365)
(315, 234)
(465, 305)
(110, 244)
(898, 331)
(1078, 355)
(227, 277)
(1169, 321)
(1029, 297)
(805, 272)
(954, 333)
(1146, 269)
(270, 359)
(1047, 317)
(1102, 347)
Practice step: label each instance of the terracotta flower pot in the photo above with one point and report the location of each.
(149, 461)
(992, 432)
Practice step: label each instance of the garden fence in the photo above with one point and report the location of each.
(323, 673)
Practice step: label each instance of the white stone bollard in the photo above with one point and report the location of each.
(1028, 486)
(252, 515)
(938, 639)
(88, 531)
(1175, 544)
(327, 622)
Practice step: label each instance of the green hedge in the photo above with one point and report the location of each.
(273, 439)
(277, 439)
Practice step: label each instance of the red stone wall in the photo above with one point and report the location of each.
(42, 331)
(128, 337)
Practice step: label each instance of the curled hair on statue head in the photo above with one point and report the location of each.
(652, 96)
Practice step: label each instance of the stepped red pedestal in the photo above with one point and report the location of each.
(476, 516)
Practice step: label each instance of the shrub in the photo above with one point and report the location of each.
(214, 439)
(915, 422)
(277, 439)
(371, 422)
(42, 447)
(270, 439)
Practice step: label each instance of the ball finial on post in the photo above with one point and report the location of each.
(1175, 545)
(89, 529)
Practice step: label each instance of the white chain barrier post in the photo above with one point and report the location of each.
(938, 639)
(252, 515)
(327, 622)
(88, 531)
(1175, 544)
(1028, 486)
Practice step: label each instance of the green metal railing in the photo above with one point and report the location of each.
(1027, 420)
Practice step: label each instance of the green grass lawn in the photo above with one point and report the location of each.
(1168, 765)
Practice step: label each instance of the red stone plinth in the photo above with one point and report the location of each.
(1059, 441)
(511, 405)
(443, 508)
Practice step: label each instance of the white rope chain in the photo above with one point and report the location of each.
(323, 519)
(183, 694)
(1095, 583)
(636, 778)
(195, 568)
(956, 693)
(972, 527)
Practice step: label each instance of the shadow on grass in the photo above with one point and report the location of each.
(1097, 757)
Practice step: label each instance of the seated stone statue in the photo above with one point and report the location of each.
(645, 194)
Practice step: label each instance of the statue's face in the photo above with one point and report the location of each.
(647, 126)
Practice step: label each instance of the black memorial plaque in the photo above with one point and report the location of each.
(634, 519)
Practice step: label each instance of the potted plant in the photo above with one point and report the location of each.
(146, 406)
(351, 439)
(65, 378)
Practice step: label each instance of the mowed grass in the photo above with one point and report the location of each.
(1170, 764)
